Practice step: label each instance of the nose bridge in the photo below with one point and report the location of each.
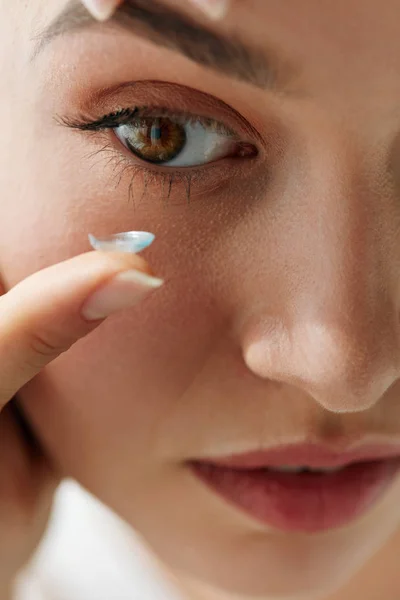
(335, 333)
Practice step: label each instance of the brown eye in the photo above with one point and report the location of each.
(180, 142)
(157, 140)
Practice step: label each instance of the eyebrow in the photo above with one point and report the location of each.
(171, 29)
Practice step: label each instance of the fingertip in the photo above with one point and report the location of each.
(101, 10)
(214, 9)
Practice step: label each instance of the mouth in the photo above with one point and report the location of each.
(304, 488)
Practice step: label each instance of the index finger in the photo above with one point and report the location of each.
(104, 9)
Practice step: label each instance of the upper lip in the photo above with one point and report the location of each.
(307, 454)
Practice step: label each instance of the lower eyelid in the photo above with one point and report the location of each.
(120, 161)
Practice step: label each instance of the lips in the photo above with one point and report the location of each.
(340, 486)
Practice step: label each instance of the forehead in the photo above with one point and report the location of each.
(348, 40)
(310, 25)
(343, 48)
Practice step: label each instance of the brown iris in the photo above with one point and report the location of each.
(155, 139)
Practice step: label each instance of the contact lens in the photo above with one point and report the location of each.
(127, 241)
(156, 140)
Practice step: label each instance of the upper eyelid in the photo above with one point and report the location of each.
(127, 115)
(250, 125)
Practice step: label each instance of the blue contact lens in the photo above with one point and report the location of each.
(127, 241)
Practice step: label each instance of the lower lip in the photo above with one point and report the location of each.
(304, 502)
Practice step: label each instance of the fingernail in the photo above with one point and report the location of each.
(123, 291)
(101, 9)
(127, 241)
(215, 9)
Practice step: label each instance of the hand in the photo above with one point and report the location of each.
(41, 317)
(103, 9)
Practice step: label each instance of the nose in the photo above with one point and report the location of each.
(343, 368)
(325, 297)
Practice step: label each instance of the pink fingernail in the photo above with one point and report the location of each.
(101, 9)
(123, 291)
(215, 9)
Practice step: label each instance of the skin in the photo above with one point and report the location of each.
(278, 321)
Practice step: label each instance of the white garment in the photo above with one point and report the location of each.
(88, 553)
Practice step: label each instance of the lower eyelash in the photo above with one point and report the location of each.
(168, 180)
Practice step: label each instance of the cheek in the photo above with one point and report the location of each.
(105, 406)
(106, 399)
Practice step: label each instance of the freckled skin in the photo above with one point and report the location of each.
(279, 318)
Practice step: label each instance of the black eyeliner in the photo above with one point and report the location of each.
(110, 121)
(127, 116)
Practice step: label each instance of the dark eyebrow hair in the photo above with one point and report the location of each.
(171, 29)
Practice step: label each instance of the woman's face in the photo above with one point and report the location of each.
(279, 319)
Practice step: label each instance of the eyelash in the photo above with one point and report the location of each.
(125, 116)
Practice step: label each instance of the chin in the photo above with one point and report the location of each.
(233, 562)
(261, 565)
(285, 569)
